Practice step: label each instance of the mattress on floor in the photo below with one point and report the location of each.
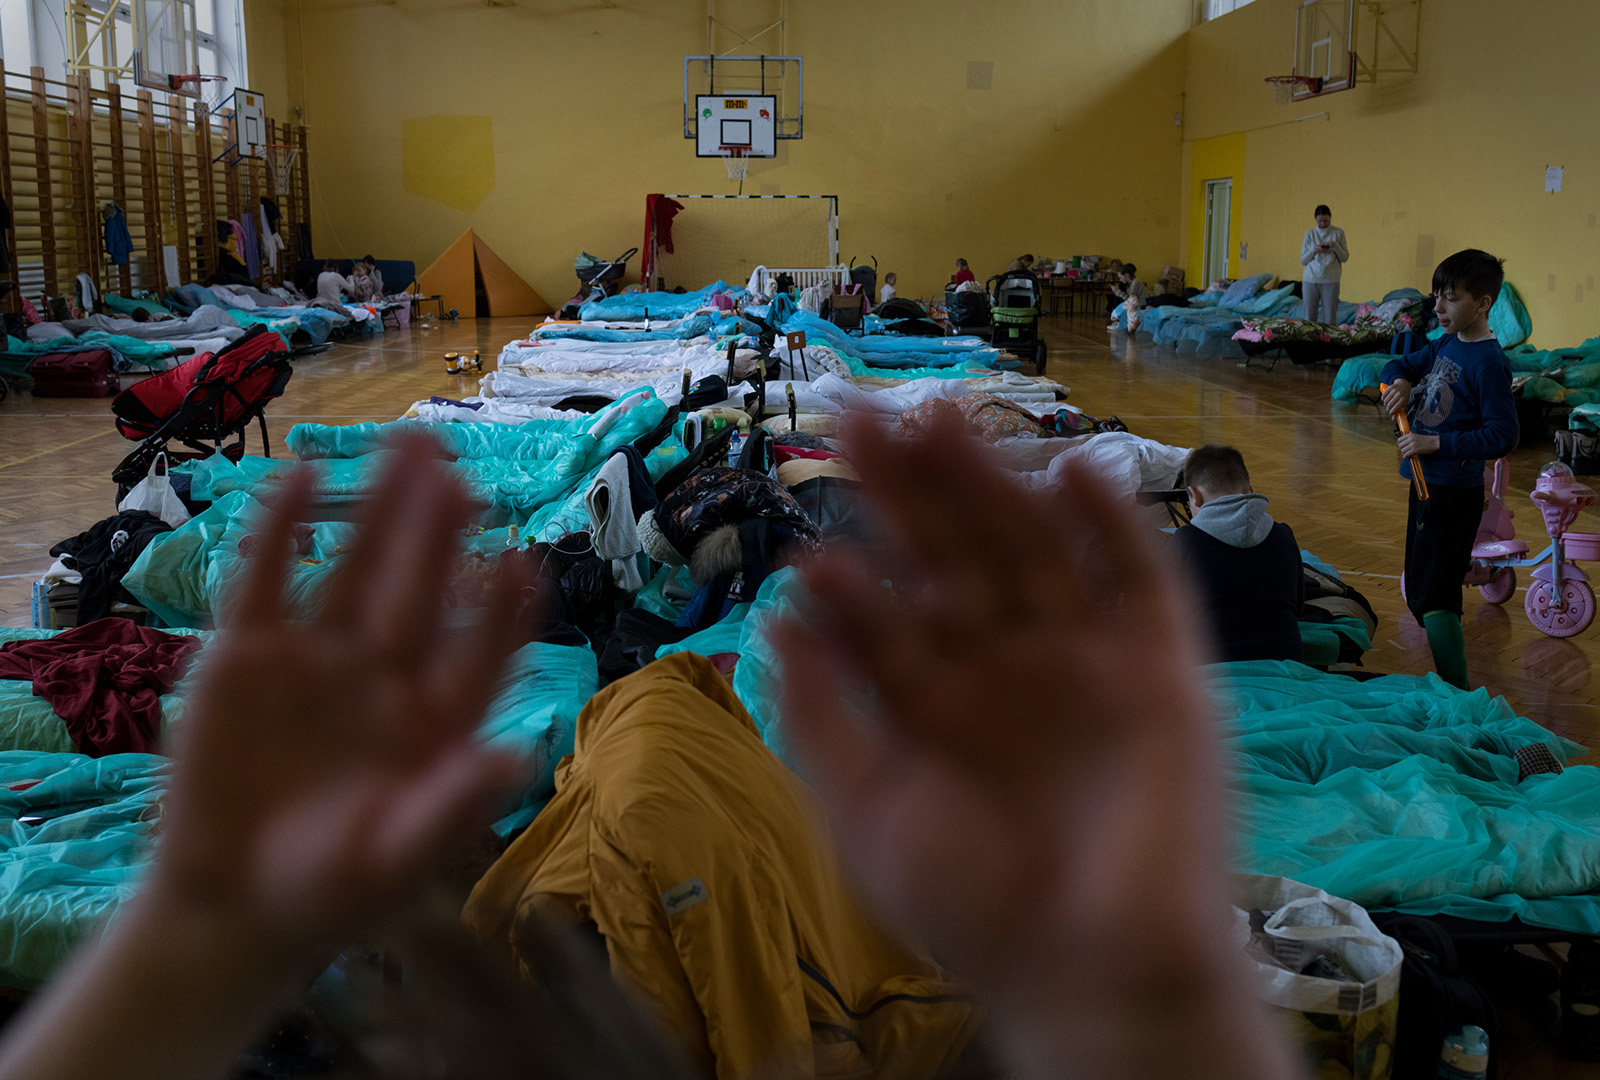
(1402, 793)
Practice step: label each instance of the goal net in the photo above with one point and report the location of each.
(727, 236)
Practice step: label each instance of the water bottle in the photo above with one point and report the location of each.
(513, 538)
(1465, 1055)
(735, 444)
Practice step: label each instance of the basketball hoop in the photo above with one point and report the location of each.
(737, 159)
(1284, 87)
(280, 159)
(178, 82)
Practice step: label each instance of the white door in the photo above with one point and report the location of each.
(1219, 207)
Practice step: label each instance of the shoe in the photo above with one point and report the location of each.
(1113, 326)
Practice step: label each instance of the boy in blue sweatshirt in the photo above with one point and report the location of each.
(1458, 394)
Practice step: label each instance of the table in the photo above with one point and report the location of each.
(417, 300)
(1064, 292)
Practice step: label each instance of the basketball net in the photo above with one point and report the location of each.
(1284, 87)
(737, 159)
(280, 160)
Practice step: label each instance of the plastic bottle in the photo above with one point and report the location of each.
(513, 538)
(735, 445)
(1465, 1055)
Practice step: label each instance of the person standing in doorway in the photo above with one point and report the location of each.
(1323, 253)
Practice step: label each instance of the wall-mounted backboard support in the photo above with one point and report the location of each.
(777, 82)
(1345, 42)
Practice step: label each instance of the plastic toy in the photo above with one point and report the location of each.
(1560, 601)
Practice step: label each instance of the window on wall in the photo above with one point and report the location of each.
(34, 32)
(1215, 8)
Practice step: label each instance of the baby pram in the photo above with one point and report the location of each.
(203, 401)
(597, 279)
(1014, 310)
(966, 310)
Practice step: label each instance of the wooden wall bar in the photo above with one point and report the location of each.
(68, 151)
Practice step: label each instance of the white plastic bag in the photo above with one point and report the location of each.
(1347, 1027)
(154, 493)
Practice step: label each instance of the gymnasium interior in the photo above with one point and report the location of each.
(780, 357)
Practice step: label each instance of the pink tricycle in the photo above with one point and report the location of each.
(1560, 601)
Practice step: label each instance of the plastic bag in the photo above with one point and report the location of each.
(1347, 1024)
(154, 494)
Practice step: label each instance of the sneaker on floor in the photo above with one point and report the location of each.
(1113, 326)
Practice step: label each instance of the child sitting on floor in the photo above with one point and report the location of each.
(1245, 565)
(886, 293)
(1132, 293)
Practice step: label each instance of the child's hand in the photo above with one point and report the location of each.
(1395, 396)
(1414, 445)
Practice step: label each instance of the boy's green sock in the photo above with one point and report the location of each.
(1449, 646)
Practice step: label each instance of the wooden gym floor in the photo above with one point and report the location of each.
(1329, 469)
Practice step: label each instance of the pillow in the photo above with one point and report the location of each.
(1390, 310)
(1396, 294)
(1244, 289)
(1266, 302)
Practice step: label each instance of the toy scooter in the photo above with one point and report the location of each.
(1560, 602)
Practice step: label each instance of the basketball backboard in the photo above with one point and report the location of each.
(775, 84)
(164, 46)
(743, 124)
(249, 122)
(1324, 37)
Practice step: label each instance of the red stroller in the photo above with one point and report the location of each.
(205, 400)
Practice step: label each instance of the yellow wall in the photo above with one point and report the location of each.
(1418, 166)
(1218, 158)
(569, 114)
(268, 46)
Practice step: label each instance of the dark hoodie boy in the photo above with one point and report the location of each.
(1246, 567)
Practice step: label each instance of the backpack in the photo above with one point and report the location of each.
(1436, 997)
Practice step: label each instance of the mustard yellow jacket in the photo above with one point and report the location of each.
(705, 864)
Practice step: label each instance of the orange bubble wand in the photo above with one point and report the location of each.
(1416, 466)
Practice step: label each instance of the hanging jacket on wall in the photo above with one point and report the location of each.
(119, 243)
(103, 553)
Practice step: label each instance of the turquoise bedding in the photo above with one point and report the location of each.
(1401, 793)
(61, 879)
(661, 305)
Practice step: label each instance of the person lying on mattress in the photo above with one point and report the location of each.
(1244, 565)
(1070, 862)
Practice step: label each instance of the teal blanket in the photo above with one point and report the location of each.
(62, 878)
(1402, 793)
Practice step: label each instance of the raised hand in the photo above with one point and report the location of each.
(325, 767)
(1035, 787)
(322, 775)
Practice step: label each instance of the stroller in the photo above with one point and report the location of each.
(865, 276)
(205, 400)
(966, 310)
(1014, 310)
(597, 278)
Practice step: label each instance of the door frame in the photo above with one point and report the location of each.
(1212, 187)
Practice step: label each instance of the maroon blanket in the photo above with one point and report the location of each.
(105, 679)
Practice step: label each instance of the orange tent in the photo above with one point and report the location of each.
(475, 281)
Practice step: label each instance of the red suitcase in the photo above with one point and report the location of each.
(74, 374)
